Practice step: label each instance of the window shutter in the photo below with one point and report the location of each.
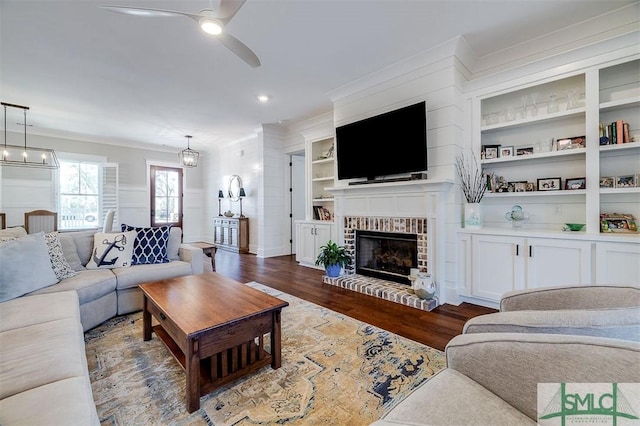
(109, 191)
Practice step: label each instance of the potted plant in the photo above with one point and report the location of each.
(333, 257)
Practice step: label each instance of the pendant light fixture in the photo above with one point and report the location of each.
(24, 156)
(189, 157)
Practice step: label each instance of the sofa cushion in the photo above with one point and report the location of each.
(70, 251)
(616, 323)
(438, 402)
(84, 244)
(89, 284)
(40, 354)
(138, 274)
(58, 262)
(173, 246)
(30, 310)
(112, 250)
(25, 266)
(150, 246)
(64, 402)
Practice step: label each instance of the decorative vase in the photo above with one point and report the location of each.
(333, 270)
(423, 286)
(472, 216)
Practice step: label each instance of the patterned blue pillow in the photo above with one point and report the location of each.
(150, 245)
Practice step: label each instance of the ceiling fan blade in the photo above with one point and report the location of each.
(141, 11)
(239, 48)
(228, 8)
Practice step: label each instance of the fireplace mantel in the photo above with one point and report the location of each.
(421, 185)
(415, 206)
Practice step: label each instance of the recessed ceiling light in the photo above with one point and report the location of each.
(263, 98)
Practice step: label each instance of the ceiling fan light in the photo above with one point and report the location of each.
(211, 26)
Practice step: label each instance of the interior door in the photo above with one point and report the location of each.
(166, 196)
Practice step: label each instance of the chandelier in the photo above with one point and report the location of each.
(189, 157)
(24, 156)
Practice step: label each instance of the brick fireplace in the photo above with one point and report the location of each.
(389, 225)
(409, 207)
(375, 286)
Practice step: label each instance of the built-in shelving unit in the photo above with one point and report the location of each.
(499, 258)
(528, 117)
(322, 175)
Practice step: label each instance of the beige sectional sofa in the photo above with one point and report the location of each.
(105, 293)
(43, 367)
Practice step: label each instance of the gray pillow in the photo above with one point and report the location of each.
(26, 266)
(70, 251)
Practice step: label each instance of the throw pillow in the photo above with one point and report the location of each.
(70, 251)
(25, 266)
(151, 244)
(59, 263)
(112, 250)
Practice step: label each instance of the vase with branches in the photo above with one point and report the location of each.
(473, 185)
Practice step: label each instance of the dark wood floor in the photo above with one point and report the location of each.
(433, 329)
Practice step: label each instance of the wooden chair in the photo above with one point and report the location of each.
(3, 220)
(40, 220)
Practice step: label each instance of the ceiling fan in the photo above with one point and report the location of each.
(212, 21)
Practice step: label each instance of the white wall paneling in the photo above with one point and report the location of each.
(22, 195)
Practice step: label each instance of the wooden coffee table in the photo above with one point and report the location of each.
(214, 327)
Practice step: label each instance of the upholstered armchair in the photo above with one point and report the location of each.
(603, 311)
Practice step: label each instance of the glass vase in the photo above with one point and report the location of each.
(472, 216)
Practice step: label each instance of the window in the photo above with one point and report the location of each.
(166, 196)
(86, 191)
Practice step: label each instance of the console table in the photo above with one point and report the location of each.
(232, 234)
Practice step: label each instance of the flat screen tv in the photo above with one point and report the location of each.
(393, 143)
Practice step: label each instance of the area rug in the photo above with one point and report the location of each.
(335, 371)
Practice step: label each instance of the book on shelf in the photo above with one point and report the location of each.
(322, 213)
(615, 133)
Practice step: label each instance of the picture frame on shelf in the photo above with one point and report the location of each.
(490, 152)
(626, 181)
(530, 187)
(549, 184)
(326, 214)
(575, 183)
(506, 151)
(524, 151)
(607, 182)
(571, 143)
(519, 186)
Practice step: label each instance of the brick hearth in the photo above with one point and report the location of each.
(387, 290)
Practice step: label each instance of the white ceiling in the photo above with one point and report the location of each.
(98, 75)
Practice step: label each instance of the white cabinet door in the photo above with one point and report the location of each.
(310, 236)
(323, 235)
(618, 263)
(306, 250)
(498, 265)
(554, 262)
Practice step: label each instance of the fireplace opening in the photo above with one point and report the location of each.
(386, 255)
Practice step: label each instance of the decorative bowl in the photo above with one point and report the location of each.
(574, 226)
(228, 213)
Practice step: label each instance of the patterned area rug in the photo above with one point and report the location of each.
(335, 370)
